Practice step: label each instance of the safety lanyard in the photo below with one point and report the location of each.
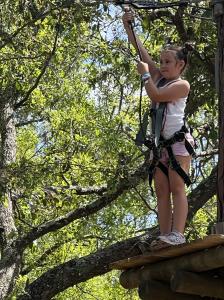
(141, 84)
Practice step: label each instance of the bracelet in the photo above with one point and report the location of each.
(146, 76)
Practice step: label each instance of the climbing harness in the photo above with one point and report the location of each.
(156, 143)
(178, 136)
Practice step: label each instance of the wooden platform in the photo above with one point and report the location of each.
(170, 252)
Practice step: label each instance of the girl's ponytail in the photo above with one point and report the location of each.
(187, 48)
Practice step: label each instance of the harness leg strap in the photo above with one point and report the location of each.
(189, 148)
(176, 167)
(163, 168)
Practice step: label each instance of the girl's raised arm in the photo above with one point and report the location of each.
(127, 18)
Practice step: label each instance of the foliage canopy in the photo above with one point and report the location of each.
(73, 185)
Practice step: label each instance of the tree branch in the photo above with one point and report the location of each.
(9, 38)
(79, 270)
(123, 185)
(45, 65)
(78, 189)
(29, 122)
(202, 193)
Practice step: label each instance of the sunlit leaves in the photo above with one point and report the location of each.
(78, 124)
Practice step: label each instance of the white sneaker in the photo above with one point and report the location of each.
(156, 243)
(174, 238)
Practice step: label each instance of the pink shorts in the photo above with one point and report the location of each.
(178, 149)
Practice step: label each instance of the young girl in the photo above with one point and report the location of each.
(174, 92)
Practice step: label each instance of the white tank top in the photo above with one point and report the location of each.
(173, 118)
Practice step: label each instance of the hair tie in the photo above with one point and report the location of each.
(188, 48)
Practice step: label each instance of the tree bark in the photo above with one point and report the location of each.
(9, 268)
(220, 66)
(78, 270)
(7, 156)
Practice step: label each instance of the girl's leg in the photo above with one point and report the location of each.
(177, 188)
(163, 199)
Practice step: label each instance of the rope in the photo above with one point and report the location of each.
(136, 42)
(141, 84)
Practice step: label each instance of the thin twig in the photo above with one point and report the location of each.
(46, 64)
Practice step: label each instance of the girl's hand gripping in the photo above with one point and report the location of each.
(128, 17)
(142, 67)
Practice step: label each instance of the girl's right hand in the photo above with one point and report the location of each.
(128, 17)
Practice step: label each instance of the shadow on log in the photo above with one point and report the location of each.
(156, 290)
(130, 279)
(197, 284)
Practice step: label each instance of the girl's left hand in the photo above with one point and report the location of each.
(142, 67)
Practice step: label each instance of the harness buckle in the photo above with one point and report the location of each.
(149, 143)
(178, 136)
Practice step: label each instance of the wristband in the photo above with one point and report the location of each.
(146, 76)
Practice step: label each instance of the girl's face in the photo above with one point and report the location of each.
(170, 66)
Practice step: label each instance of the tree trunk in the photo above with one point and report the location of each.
(7, 156)
(219, 14)
(9, 268)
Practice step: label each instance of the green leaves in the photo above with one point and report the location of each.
(71, 74)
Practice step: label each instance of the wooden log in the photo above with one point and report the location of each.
(200, 261)
(218, 228)
(130, 278)
(197, 284)
(157, 290)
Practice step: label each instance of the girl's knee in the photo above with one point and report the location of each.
(177, 185)
(162, 189)
(178, 190)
